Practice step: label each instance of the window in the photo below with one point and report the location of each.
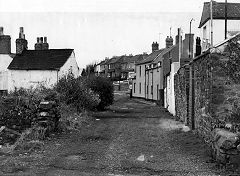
(147, 89)
(134, 87)
(139, 88)
(151, 89)
(157, 92)
(140, 71)
(205, 32)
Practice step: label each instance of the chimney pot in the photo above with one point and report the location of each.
(21, 34)
(38, 39)
(45, 39)
(41, 39)
(1, 30)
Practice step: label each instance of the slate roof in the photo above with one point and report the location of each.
(160, 56)
(52, 59)
(114, 59)
(233, 11)
(151, 57)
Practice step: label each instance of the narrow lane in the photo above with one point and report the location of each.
(131, 138)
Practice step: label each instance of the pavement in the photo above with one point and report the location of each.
(131, 138)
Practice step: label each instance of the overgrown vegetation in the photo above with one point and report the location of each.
(75, 97)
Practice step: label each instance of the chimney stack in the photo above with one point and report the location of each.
(41, 43)
(155, 46)
(5, 43)
(198, 47)
(21, 42)
(45, 45)
(169, 41)
(38, 45)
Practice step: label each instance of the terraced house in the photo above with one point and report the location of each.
(155, 74)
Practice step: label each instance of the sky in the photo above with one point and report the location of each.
(96, 29)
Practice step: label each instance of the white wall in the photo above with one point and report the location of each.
(170, 88)
(71, 63)
(219, 29)
(140, 79)
(5, 60)
(31, 78)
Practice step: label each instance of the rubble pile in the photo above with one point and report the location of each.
(225, 144)
(47, 118)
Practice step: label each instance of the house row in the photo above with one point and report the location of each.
(155, 74)
(119, 67)
(31, 68)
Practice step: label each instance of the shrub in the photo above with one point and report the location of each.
(104, 88)
(18, 109)
(73, 91)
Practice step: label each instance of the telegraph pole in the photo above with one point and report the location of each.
(211, 17)
(189, 46)
(225, 19)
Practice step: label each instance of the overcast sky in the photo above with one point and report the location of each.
(96, 29)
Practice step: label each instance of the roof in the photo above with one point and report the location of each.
(233, 11)
(114, 59)
(151, 57)
(160, 56)
(52, 59)
(137, 58)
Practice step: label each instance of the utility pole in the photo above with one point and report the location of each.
(225, 19)
(180, 45)
(211, 21)
(189, 46)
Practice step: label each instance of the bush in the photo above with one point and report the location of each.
(73, 91)
(104, 88)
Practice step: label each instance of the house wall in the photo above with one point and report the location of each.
(170, 88)
(72, 65)
(5, 60)
(31, 78)
(218, 31)
(140, 81)
(154, 79)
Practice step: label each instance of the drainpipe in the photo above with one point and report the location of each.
(145, 86)
(211, 21)
(152, 83)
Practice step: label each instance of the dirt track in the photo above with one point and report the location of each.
(131, 138)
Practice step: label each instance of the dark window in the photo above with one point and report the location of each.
(140, 71)
(147, 89)
(140, 88)
(134, 87)
(151, 89)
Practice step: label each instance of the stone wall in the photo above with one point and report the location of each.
(201, 95)
(181, 87)
(214, 95)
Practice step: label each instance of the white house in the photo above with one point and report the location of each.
(143, 84)
(218, 23)
(41, 67)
